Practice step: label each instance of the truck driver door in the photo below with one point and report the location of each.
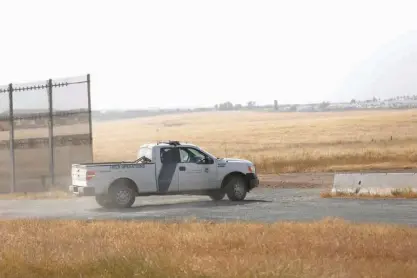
(194, 170)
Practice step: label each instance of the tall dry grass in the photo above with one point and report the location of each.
(276, 142)
(329, 248)
(397, 194)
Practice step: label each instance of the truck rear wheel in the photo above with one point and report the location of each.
(236, 188)
(122, 195)
(104, 201)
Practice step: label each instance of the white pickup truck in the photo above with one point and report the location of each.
(164, 168)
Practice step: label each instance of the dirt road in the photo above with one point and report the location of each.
(280, 197)
(261, 205)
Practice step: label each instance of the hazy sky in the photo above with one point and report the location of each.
(198, 53)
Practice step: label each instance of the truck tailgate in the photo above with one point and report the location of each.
(79, 174)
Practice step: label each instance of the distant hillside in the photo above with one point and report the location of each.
(129, 114)
(399, 102)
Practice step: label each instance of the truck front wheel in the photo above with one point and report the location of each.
(122, 195)
(236, 188)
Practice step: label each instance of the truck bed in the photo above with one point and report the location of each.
(108, 163)
(101, 175)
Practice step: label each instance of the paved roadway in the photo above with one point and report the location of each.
(262, 204)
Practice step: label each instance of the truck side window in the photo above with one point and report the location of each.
(190, 155)
(170, 155)
(185, 157)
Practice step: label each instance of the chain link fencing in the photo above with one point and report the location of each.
(43, 131)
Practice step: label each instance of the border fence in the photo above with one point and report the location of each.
(45, 127)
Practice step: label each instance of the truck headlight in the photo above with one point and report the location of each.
(252, 169)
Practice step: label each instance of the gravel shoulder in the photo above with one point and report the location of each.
(297, 180)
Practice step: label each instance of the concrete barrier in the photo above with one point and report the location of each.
(374, 183)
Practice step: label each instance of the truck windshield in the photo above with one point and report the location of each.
(146, 152)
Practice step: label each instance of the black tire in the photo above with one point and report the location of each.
(122, 195)
(236, 188)
(104, 201)
(217, 195)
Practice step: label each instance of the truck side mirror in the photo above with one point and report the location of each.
(206, 160)
(201, 161)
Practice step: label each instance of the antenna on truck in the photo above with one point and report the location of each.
(225, 149)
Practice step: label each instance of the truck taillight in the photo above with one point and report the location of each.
(90, 175)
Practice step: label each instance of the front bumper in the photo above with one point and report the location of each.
(82, 190)
(253, 180)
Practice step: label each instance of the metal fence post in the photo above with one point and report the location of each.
(89, 116)
(11, 140)
(51, 135)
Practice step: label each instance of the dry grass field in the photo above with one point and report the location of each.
(277, 142)
(329, 248)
